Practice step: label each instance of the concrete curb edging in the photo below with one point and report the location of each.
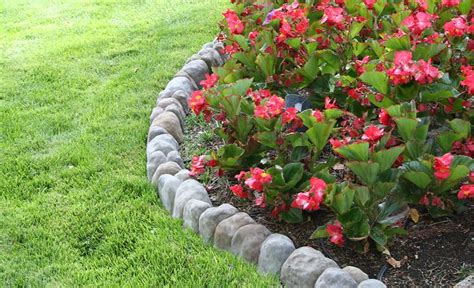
(224, 226)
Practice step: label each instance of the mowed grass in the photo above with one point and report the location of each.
(78, 80)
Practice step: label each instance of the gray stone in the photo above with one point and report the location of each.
(154, 160)
(193, 58)
(174, 156)
(274, 252)
(182, 97)
(172, 105)
(303, 267)
(189, 189)
(372, 283)
(248, 240)
(196, 69)
(183, 175)
(208, 45)
(155, 131)
(170, 168)
(177, 83)
(211, 218)
(167, 186)
(226, 229)
(191, 213)
(466, 283)
(178, 111)
(156, 111)
(171, 123)
(335, 277)
(164, 143)
(357, 274)
(211, 57)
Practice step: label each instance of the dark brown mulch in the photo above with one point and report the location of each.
(436, 252)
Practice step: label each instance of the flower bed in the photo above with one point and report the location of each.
(379, 128)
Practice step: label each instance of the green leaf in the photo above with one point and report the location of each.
(320, 232)
(378, 235)
(427, 51)
(333, 113)
(355, 152)
(465, 6)
(295, 43)
(266, 62)
(386, 158)
(458, 173)
(398, 43)
(406, 127)
(277, 177)
(330, 62)
(292, 173)
(420, 179)
(355, 28)
(376, 79)
(292, 216)
(446, 140)
(356, 224)
(229, 155)
(242, 41)
(311, 68)
(319, 133)
(299, 153)
(267, 138)
(461, 127)
(381, 189)
(343, 200)
(367, 172)
(362, 195)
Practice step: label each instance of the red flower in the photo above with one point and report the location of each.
(261, 112)
(318, 115)
(197, 102)
(330, 104)
(384, 118)
(278, 209)
(425, 73)
(252, 36)
(450, 3)
(335, 232)
(333, 15)
(456, 27)
(311, 199)
(424, 200)
(359, 65)
(442, 166)
(259, 95)
(370, 3)
(417, 23)
(436, 201)
(271, 108)
(239, 191)
(466, 192)
(241, 175)
(198, 165)
(372, 133)
(257, 179)
(210, 81)
(468, 79)
(235, 25)
(289, 115)
(402, 69)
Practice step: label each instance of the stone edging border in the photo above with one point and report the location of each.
(225, 227)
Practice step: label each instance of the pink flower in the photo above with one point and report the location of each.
(197, 102)
(468, 81)
(257, 179)
(372, 134)
(436, 201)
(241, 176)
(260, 201)
(198, 165)
(333, 15)
(442, 166)
(424, 200)
(318, 115)
(289, 115)
(402, 69)
(384, 118)
(311, 199)
(370, 3)
(210, 81)
(235, 25)
(239, 191)
(330, 104)
(425, 73)
(418, 22)
(466, 192)
(450, 3)
(335, 232)
(456, 27)
(252, 36)
(261, 112)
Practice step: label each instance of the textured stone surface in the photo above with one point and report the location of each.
(303, 267)
(167, 186)
(226, 229)
(335, 277)
(183, 175)
(178, 111)
(172, 105)
(174, 156)
(154, 160)
(211, 218)
(357, 274)
(189, 189)
(155, 131)
(169, 121)
(248, 240)
(466, 283)
(196, 69)
(177, 83)
(155, 112)
(164, 143)
(170, 168)
(372, 283)
(211, 57)
(274, 252)
(182, 97)
(191, 213)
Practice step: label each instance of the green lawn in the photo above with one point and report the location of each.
(78, 80)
